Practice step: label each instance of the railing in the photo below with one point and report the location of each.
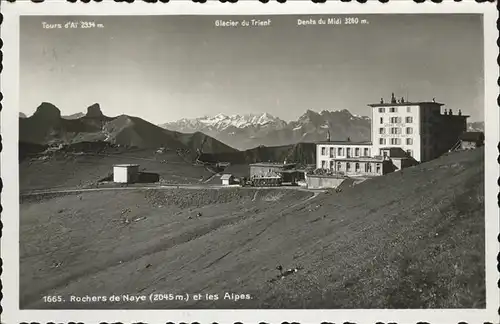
(456, 146)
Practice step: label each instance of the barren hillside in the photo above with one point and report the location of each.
(412, 239)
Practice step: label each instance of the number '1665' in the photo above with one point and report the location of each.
(52, 299)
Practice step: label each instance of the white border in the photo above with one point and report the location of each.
(9, 166)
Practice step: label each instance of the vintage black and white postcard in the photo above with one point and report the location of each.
(250, 163)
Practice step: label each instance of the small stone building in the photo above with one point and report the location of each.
(399, 158)
(365, 166)
(286, 171)
(125, 173)
(227, 179)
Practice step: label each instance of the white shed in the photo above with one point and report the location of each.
(125, 173)
(227, 179)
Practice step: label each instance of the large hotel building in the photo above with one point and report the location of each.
(400, 130)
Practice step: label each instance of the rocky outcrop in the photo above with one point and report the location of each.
(94, 111)
(47, 111)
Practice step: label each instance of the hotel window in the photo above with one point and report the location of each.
(339, 151)
(409, 141)
(339, 166)
(366, 152)
(395, 130)
(356, 167)
(378, 167)
(348, 166)
(381, 141)
(332, 164)
(368, 167)
(348, 154)
(395, 141)
(408, 109)
(409, 119)
(323, 151)
(356, 151)
(393, 109)
(323, 164)
(409, 130)
(381, 130)
(381, 110)
(332, 152)
(381, 120)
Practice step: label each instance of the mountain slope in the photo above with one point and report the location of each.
(410, 239)
(302, 153)
(46, 126)
(249, 131)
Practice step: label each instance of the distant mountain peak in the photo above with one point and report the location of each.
(46, 110)
(94, 111)
(220, 116)
(309, 115)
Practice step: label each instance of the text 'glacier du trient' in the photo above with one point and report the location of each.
(243, 23)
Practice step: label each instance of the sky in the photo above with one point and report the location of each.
(164, 68)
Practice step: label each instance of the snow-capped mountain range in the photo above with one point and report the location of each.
(220, 122)
(251, 130)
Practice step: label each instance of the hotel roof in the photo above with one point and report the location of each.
(345, 143)
(395, 104)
